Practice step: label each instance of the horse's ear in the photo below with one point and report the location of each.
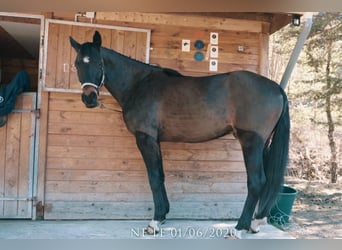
(75, 44)
(97, 39)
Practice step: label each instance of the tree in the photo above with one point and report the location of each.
(324, 52)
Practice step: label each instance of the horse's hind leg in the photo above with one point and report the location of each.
(252, 147)
(150, 150)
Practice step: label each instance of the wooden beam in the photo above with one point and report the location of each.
(279, 21)
(181, 20)
(18, 19)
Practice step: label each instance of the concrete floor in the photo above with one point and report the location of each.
(126, 229)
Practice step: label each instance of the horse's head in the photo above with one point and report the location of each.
(90, 69)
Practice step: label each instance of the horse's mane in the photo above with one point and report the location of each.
(167, 71)
(171, 72)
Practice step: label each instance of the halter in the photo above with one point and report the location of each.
(97, 87)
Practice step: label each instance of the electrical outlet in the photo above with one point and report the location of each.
(214, 38)
(214, 51)
(241, 48)
(186, 45)
(213, 65)
(90, 14)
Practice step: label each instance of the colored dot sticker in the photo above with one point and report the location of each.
(199, 56)
(199, 44)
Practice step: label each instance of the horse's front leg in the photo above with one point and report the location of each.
(150, 150)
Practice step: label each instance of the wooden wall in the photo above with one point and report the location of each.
(95, 171)
(168, 30)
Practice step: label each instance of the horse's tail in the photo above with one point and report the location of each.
(275, 159)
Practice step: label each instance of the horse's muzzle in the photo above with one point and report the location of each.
(90, 100)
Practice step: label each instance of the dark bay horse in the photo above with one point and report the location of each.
(160, 104)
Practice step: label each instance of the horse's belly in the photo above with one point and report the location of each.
(190, 129)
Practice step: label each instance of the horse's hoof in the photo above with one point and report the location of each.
(151, 231)
(256, 223)
(153, 227)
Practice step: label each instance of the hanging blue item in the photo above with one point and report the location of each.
(9, 92)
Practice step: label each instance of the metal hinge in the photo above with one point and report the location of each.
(36, 113)
(32, 199)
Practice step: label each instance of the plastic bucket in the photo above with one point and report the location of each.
(281, 211)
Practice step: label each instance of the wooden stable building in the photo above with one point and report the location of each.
(60, 160)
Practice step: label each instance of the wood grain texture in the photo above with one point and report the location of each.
(15, 157)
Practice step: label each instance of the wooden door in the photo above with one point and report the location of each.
(17, 143)
(60, 73)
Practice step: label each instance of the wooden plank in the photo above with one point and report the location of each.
(78, 34)
(138, 164)
(224, 58)
(141, 210)
(3, 143)
(63, 57)
(24, 101)
(182, 21)
(223, 166)
(24, 162)
(142, 186)
(130, 44)
(136, 176)
(141, 46)
(42, 159)
(168, 154)
(228, 42)
(72, 102)
(87, 129)
(129, 142)
(51, 60)
(97, 187)
(118, 40)
(202, 68)
(95, 152)
(90, 163)
(96, 118)
(201, 155)
(147, 197)
(92, 141)
(95, 175)
(12, 163)
(205, 210)
(264, 55)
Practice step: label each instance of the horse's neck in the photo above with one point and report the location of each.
(122, 73)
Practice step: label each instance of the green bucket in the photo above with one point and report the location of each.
(281, 211)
